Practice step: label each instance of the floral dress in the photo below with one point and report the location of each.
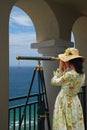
(68, 114)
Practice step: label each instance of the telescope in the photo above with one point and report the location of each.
(37, 58)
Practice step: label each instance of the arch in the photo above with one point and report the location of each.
(43, 18)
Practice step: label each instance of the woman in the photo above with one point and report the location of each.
(68, 113)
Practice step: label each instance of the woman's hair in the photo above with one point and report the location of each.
(78, 64)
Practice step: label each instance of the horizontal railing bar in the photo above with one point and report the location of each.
(17, 98)
(22, 105)
(22, 97)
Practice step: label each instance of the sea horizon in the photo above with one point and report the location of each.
(20, 79)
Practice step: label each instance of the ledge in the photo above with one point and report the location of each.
(51, 43)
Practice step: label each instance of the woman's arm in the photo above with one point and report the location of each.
(58, 74)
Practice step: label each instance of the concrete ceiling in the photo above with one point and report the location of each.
(79, 5)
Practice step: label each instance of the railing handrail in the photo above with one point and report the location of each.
(22, 105)
(22, 97)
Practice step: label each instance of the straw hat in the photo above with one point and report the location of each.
(70, 53)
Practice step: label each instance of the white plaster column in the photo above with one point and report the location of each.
(51, 48)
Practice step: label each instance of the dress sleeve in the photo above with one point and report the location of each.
(56, 80)
(60, 78)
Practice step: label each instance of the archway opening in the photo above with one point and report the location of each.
(21, 34)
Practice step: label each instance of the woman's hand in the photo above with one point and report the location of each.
(62, 65)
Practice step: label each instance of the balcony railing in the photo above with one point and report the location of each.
(30, 120)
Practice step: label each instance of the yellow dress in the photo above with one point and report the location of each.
(68, 114)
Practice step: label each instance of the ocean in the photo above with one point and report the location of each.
(19, 83)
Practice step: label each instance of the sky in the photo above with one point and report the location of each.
(21, 35)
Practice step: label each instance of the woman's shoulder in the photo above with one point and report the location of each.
(74, 73)
(71, 73)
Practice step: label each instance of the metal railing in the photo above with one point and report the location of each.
(30, 121)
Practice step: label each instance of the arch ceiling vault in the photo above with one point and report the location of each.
(53, 19)
(79, 5)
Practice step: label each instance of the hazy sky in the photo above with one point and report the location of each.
(21, 35)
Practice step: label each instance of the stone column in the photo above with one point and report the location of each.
(51, 48)
(4, 64)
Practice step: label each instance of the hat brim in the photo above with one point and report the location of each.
(66, 58)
